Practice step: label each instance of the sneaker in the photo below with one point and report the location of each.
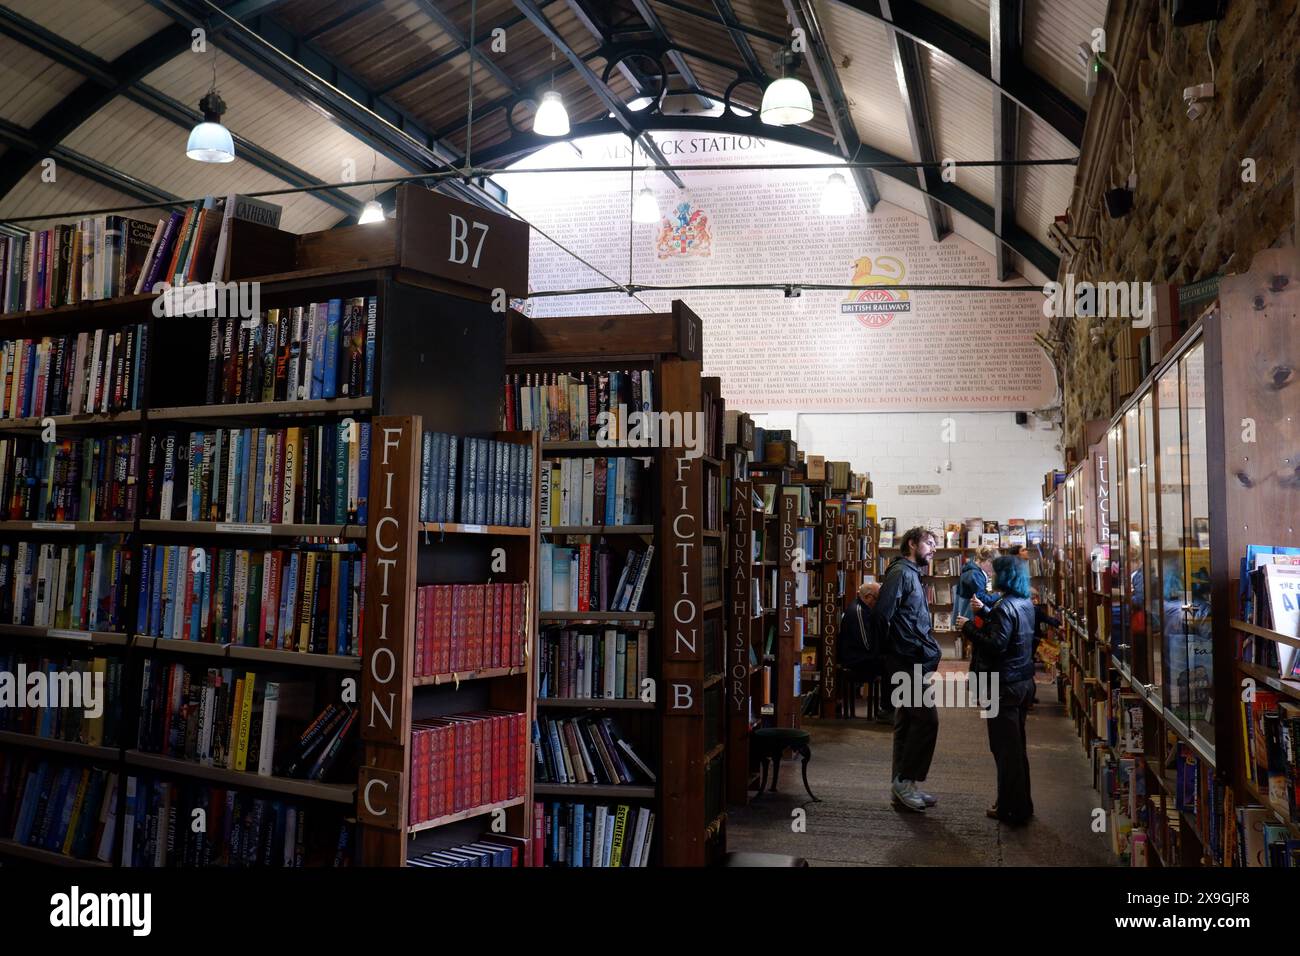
(929, 799)
(905, 796)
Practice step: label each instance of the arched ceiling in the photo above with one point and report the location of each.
(321, 92)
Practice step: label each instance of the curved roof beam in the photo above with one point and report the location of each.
(123, 77)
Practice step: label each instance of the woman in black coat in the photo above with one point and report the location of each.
(1002, 640)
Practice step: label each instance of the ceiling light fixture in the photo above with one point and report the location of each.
(372, 211)
(551, 119)
(786, 101)
(837, 198)
(209, 141)
(646, 207)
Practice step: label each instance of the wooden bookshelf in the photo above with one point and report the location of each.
(308, 789)
(202, 414)
(22, 851)
(423, 293)
(669, 736)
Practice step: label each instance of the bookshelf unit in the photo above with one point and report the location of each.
(414, 273)
(674, 617)
(744, 615)
(1158, 637)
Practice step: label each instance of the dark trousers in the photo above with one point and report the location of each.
(1011, 751)
(916, 729)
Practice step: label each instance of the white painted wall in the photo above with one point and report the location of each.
(997, 466)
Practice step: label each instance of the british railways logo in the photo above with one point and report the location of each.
(876, 308)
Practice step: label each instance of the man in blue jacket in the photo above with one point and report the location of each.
(903, 609)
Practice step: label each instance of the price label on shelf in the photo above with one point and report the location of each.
(70, 635)
(228, 527)
(54, 526)
(475, 528)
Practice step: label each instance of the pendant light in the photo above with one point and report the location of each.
(786, 101)
(209, 141)
(372, 211)
(646, 207)
(551, 118)
(837, 199)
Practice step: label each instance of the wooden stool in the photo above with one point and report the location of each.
(769, 743)
(848, 703)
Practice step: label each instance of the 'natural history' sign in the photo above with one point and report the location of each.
(878, 349)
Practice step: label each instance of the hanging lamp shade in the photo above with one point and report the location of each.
(552, 119)
(209, 141)
(372, 212)
(786, 102)
(646, 207)
(837, 198)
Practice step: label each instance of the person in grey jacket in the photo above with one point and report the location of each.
(905, 613)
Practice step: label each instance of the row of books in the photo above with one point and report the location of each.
(1250, 585)
(947, 566)
(975, 532)
(593, 491)
(74, 374)
(581, 834)
(462, 761)
(490, 849)
(610, 665)
(302, 475)
(103, 257)
(310, 601)
(218, 717)
(571, 406)
(585, 750)
(62, 697)
(85, 479)
(582, 578)
(1274, 603)
(81, 586)
(241, 829)
(712, 501)
(96, 258)
(1262, 840)
(64, 808)
(475, 480)
(319, 351)
(467, 627)
(711, 568)
(1272, 725)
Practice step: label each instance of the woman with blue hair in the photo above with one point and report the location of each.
(1003, 638)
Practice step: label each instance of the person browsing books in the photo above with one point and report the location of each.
(1003, 638)
(912, 653)
(974, 580)
(861, 647)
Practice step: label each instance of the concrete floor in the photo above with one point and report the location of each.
(854, 824)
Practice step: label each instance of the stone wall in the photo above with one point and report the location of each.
(1193, 215)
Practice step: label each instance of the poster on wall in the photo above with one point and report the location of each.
(879, 348)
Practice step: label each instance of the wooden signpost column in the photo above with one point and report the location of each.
(852, 561)
(830, 608)
(739, 637)
(391, 551)
(788, 620)
(682, 661)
